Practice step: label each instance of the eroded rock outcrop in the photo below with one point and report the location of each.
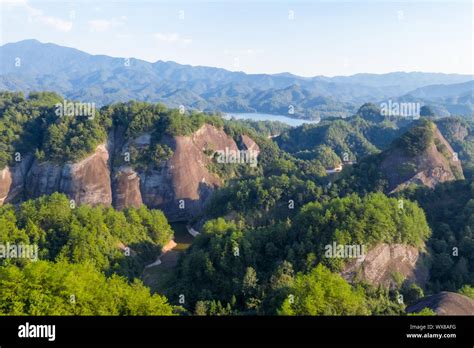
(383, 261)
(86, 182)
(5, 184)
(12, 181)
(182, 185)
(435, 164)
(127, 189)
(249, 144)
(445, 303)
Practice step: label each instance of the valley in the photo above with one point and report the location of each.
(237, 173)
(131, 186)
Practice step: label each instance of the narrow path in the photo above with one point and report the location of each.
(167, 248)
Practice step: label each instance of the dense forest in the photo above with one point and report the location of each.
(91, 253)
(231, 260)
(263, 233)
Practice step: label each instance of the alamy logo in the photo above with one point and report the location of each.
(400, 109)
(70, 109)
(343, 251)
(19, 251)
(37, 331)
(236, 156)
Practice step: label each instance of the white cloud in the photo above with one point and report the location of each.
(36, 15)
(172, 38)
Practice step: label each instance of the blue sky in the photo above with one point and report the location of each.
(306, 38)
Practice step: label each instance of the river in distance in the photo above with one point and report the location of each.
(294, 122)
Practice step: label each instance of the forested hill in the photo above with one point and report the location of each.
(141, 150)
(420, 156)
(264, 228)
(367, 132)
(126, 154)
(33, 66)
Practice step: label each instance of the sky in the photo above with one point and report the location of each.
(306, 38)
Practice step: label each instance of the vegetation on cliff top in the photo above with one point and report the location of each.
(252, 267)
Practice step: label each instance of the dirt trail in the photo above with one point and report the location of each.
(168, 248)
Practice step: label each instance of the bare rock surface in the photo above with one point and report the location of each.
(86, 181)
(383, 261)
(249, 144)
(445, 303)
(5, 184)
(437, 164)
(183, 184)
(180, 186)
(127, 189)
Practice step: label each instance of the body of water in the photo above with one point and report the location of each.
(294, 122)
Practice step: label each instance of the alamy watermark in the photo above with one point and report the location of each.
(409, 109)
(75, 109)
(237, 156)
(344, 251)
(19, 251)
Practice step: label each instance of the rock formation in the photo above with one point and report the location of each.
(445, 303)
(180, 186)
(383, 261)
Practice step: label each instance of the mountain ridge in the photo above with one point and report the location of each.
(103, 79)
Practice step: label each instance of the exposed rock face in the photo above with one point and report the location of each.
(445, 303)
(179, 186)
(437, 163)
(43, 179)
(249, 144)
(127, 189)
(5, 184)
(87, 181)
(183, 184)
(19, 173)
(383, 260)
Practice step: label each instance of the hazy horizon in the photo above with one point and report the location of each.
(266, 37)
(253, 73)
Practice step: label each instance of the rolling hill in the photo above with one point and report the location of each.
(30, 65)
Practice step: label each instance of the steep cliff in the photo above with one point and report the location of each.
(13, 180)
(126, 188)
(180, 185)
(445, 303)
(430, 162)
(383, 261)
(420, 156)
(5, 184)
(86, 182)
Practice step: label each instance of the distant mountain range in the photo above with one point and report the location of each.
(30, 65)
(457, 99)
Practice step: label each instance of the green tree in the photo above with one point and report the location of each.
(321, 292)
(47, 288)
